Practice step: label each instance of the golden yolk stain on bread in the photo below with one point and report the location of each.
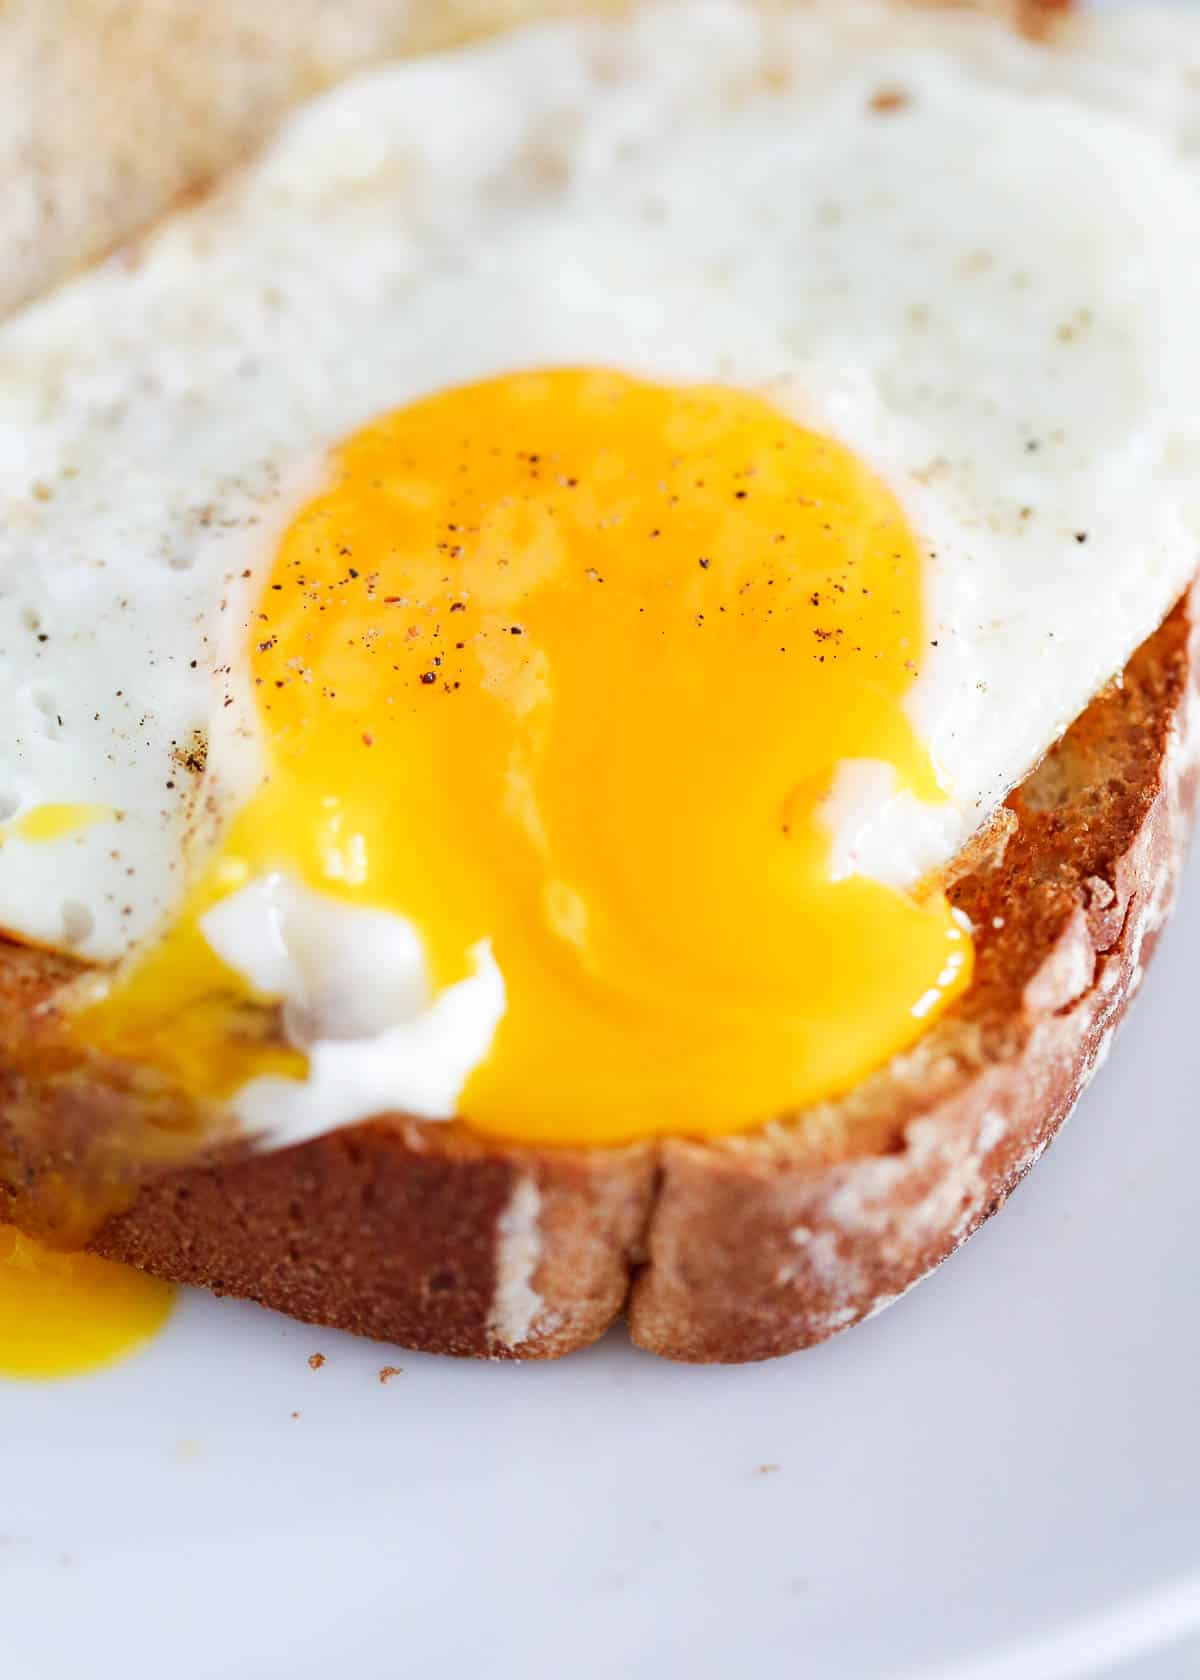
(63, 1314)
(566, 661)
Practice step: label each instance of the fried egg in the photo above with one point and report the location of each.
(538, 575)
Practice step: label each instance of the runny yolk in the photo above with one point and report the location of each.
(63, 1314)
(566, 661)
(54, 822)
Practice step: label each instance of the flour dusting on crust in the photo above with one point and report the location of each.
(516, 1303)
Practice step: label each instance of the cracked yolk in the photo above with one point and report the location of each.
(566, 661)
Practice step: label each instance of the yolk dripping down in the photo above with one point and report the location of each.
(567, 661)
(62, 1314)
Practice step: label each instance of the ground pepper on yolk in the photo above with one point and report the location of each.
(566, 661)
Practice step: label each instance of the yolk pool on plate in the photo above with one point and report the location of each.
(566, 661)
(62, 1314)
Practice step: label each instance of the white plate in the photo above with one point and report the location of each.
(997, 1480)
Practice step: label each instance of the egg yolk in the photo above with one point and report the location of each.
(55, 822)
(566, 661)
(63, 1314)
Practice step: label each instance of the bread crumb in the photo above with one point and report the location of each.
(387, 1372)
(766, 1469)
(315, 1361)
(295, 1414)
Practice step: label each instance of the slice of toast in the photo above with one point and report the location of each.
(423, 1234)
(110, 109)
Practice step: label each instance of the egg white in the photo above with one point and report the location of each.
(986, 289)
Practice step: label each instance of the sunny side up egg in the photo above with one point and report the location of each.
(559, 669)
(538, 575)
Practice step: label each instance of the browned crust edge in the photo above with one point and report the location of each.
(746, 1261)
(409, 1232)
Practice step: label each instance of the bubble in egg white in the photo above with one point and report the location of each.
(78, 923)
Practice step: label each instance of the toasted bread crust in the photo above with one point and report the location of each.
(412, 1233)
(751, 1252)
(422, 1234)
